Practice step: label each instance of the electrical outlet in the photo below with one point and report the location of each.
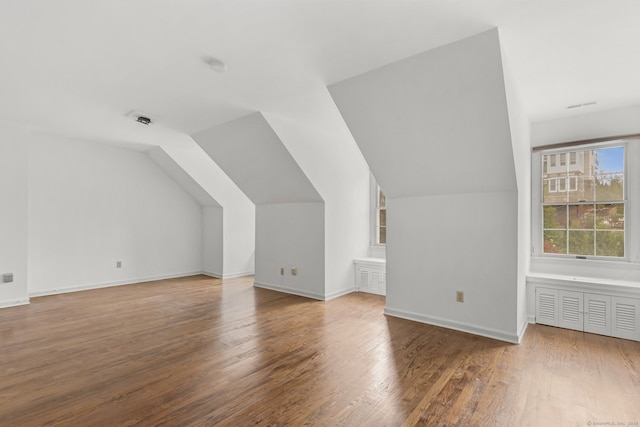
(118, 264)
(294, 271)
(459, 296)
(7, 278)
(282, 271)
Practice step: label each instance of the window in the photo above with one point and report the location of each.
(378, 218)
(583, 206)
(573, 183)
(552, 162)
(381, 218)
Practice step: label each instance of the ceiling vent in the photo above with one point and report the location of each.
(143, 118)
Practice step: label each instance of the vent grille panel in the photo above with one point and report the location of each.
(625, 317)
(598, 313)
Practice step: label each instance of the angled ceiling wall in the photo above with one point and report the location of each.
(253, 156)
(289, 227)
(435, 123)
(435, 131)
(181, 177)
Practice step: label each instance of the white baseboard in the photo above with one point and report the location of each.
(214, 275)
(288, 290)
(14, 303)
(522, 331)
(228, 275)
(450, 324)
(110, 284)
(339, 293)
(531, 318)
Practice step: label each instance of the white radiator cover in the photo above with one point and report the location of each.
(371, 276)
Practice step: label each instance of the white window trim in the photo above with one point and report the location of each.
(373, 214)
(631, 205)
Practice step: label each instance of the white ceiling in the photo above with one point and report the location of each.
(79, 66)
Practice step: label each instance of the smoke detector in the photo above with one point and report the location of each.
(216, 65)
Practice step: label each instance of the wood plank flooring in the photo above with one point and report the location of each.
(198, 351)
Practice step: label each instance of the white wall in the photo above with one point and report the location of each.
(435, 131)
(252, 155)
(291, 235)
(238, 216)
(13, 212)
(520, 128)
(239, 239)
(438, 245)
(617, 122)
(91, 205)
(315, 134)
(212, 241)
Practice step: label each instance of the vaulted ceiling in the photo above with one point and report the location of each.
(78, 67)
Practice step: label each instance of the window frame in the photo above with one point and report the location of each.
(374, 239)
(538, 183)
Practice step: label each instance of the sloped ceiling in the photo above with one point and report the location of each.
(184, 180)
(435, 123)
(80, 66)
(253, 156)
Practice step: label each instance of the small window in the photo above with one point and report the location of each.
(381, 217)
(573, 183)
(552, 162)
(562, 184)
(572, 158)
(563, 159)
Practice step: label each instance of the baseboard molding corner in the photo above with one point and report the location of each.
(239, 274)
(339, 293)
(210, 274)
(450, 324)
(287, 290)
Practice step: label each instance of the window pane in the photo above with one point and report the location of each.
(581, 242)
(610, 243)
(610, 216)
(555, 216)
(581, 217)
(555, 242)
(382, 200)
(563, 159)
(572, 158)
(580, 189)
(382, 226)
(609, 173)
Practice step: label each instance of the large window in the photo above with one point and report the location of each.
(584, 201)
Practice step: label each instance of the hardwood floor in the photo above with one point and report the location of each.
(200, 352)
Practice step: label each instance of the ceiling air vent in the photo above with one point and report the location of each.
(143, 118)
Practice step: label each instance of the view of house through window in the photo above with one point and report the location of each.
(584, 202)
(381, 216)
